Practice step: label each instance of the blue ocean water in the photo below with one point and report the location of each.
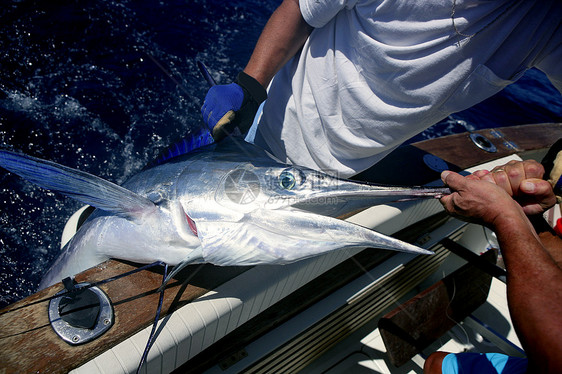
(105, 86)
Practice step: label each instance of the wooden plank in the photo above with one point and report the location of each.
(414, 325)
(406, 166)
(29, 344)
(508, 141)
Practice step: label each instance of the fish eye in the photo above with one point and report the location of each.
(287, 180)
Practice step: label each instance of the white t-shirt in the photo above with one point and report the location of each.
(375, 73)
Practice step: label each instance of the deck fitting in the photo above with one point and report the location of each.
(81, 313)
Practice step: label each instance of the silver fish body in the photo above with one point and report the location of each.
(227, 204)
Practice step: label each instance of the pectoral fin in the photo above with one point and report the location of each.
(78, 185)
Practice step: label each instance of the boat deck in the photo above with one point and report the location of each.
(487, 329)
(319, 315)
(365, 352)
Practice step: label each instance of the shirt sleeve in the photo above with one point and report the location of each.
(551, 66)
(318, 13)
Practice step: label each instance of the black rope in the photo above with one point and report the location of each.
(110, 279)
(156, 318)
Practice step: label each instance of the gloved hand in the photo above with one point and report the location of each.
(232, 106)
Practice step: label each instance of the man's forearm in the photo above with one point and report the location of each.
(534, 287)
(550, 241)
(283, 36)
(553, 245)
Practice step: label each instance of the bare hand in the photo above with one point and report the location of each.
(522, 180)
(478, 200)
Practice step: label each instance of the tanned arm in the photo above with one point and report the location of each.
(534, 293)
(283, 36)
(534, 280)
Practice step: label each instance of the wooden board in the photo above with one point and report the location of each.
(508, 140)
(29, 344)
(414, 325)
(405, 166)
(24, 326)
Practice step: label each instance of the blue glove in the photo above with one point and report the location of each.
(232, 106)
(220, 104)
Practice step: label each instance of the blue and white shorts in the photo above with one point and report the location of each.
(494, 363)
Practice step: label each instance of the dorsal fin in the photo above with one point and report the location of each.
(78, 185)
(198, 139)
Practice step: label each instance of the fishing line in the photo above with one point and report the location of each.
(169, 75)
(155, 323)
(452, 319)
(111, 279)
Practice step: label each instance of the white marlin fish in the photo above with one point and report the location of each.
(227, 204)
